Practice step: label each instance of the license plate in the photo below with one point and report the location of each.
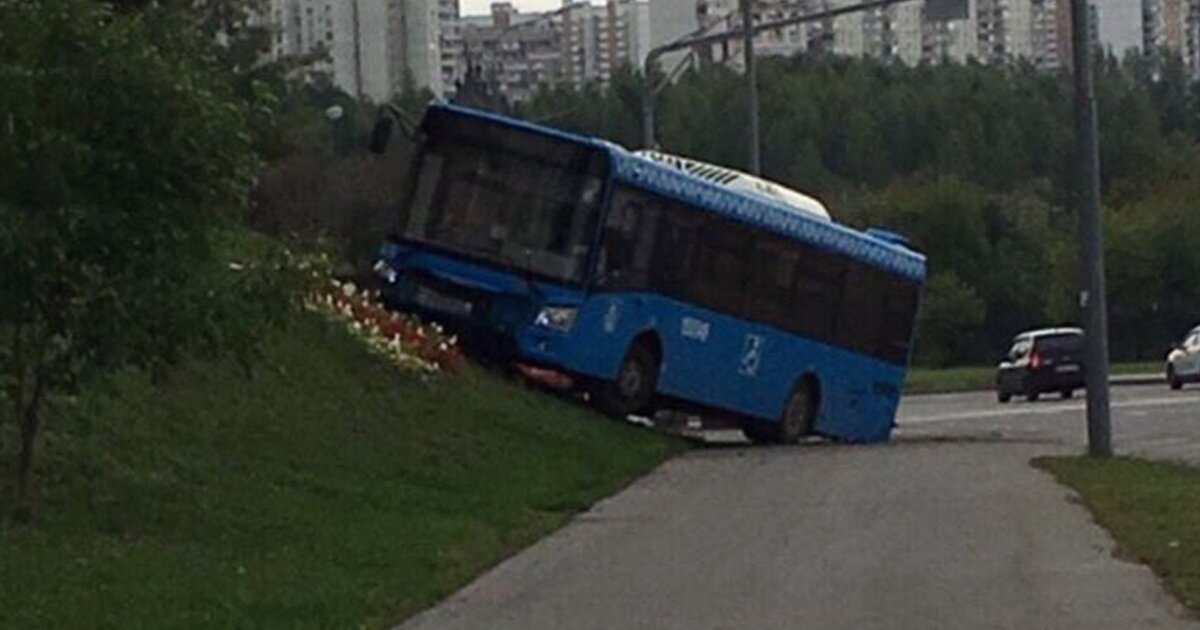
(435, 301)
(1067, 368)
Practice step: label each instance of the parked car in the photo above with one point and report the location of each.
(1183, 364)
(1042, 361)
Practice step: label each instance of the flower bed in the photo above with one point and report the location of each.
(402, 339)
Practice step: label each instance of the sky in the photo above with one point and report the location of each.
(469, 7)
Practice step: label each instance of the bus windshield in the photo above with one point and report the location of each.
(507, 196)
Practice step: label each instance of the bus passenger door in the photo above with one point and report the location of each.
(622, 275)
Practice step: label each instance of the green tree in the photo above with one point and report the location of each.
(125, 151)
(952, 314)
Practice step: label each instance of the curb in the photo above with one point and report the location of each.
(1137, 379)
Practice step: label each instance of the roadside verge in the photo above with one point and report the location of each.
(320, 488)
(1152, 510)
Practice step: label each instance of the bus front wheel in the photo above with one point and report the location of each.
(800, 415)
(632, 392)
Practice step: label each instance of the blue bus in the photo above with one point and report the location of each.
(653, 286)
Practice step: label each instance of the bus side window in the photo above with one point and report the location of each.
(674, 250)
(629, 235)
(720, 279)
(817, 297)
(862, 321)
(771, 279)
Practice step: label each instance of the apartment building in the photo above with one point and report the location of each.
(369, 46)
(1172, 27)
(579, 44)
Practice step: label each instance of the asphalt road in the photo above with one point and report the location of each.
(1148, 420)
(946, 527)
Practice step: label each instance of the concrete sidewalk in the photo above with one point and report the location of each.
(914, 535)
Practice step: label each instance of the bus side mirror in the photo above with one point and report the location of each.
(381, 134)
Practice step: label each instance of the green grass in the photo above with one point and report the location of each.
(1142, 367)
(327, 490)
(945, 380)
(1152, 509)
(977, 378)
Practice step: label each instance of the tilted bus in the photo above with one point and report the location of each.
(653, 284)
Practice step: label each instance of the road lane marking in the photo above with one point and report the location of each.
(1041, 411)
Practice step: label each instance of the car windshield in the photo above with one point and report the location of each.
(1060, 343)
(518, 198)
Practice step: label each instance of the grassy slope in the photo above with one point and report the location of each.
(328, 491)
(974, 378)
(1152, 509)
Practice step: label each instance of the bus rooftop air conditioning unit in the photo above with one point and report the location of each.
(738, 180)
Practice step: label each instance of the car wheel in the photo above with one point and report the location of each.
(1033, 396)
(1003, 397)
(1067, 394)
(632, 392)
(1173, 379)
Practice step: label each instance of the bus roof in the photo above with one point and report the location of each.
(744, 182)
(772, 215)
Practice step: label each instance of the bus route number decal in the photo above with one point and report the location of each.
(693, 328)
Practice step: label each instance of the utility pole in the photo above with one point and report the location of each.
(1092, 294)
(358, 70)
(751, 86)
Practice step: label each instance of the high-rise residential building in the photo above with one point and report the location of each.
(581, 43)
(641, 38)
(1005, 30)
(370, 46)
(414, 37)
(1172, 28)
(949, 40)
(351, 35)
(512, 53)
(450, 43)
(1163, 25)
(1050, 34)
(1192, 40)
(899, 32)
(598, 39)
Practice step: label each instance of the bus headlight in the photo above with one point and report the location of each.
(385, 271)
(560, 318)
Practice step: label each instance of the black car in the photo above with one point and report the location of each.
(1042, 361)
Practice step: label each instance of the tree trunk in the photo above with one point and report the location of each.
(30, 420)
(27, 411)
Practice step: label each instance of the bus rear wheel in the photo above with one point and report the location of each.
(799, 415)
(632, 392)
